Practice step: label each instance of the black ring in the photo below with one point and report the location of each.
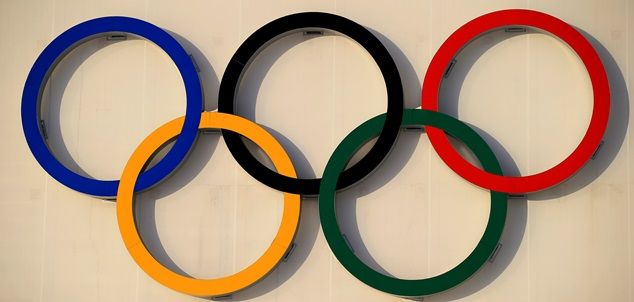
(282, 27)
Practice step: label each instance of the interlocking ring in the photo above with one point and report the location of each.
(388, 284)
(60, 47)
(284, 26)
(598, 121)
(210, 287)
(385, 126)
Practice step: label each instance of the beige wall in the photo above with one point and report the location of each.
(413, 218)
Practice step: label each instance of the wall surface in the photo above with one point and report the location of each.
(527, 94)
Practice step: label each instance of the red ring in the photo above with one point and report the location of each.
(564, 32)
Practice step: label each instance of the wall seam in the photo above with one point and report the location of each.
(628, 151)
(43, 253)
(136, 288)
(236, 167)
(528, 159)
(45, 205)
(332, 143)
(137, 285)
(430, 150)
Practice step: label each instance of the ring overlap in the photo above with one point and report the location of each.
(206, 287)
(565, 33)
(60, 47)
(277, 29)
(385, 126)
(389, 284)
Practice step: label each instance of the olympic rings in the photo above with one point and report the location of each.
(284, 26)
(61, 46)
(360, 270)
(210, 287)
(385, 126)
(598, 121)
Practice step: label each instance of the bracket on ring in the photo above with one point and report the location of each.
(289, 252)
(413, 128)
(43, 129)
(517, 29)
(413, 299)
(116, 37)
(313, 32)
(452, 64)
(495, 253)
(596, 152)
(210, 131)
(222, 298)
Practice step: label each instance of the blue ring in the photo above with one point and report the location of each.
(70, 39)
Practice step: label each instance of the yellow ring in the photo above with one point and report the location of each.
(206, 287)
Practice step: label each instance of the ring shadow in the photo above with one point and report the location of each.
(246, 98)
(517, 210)
(53, 94)
(615, 132)
(614, 135)
(409, 76)
(50, 106)
(391, 166)
(510, 240)
(614, 138)
(309, 223)
(249, 90)
(346, 210)
(208, 78)
(144, 211)
(512, 236)
(200, 153)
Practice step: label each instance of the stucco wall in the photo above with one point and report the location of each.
(528, 94)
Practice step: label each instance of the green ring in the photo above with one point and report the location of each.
(388, 284)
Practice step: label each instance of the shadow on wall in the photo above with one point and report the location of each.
(516, 219)
(517, 210)
(208, 78)
(53, 94)
(613, 137)
(202, 150)
(346, 209)
(245, 105)
(51, 106)
(249, 89)
(409, 77)
(614, 134)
